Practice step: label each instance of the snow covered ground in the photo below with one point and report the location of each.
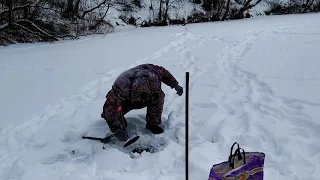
(254, 81)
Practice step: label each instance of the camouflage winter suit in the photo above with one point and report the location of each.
(137, 88)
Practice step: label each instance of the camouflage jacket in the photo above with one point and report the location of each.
(139, 83)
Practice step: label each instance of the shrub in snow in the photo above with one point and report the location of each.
(292, 7)
(220, 10)
(197, 17)
(177, 21)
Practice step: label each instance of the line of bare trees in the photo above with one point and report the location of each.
(50, 20)
(220, 10)
(293, 7)
(216, 10)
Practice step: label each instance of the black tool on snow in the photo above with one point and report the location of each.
(108, 138)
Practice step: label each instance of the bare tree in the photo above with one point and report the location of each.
(164, 7)
(226, 11)
(10, 16)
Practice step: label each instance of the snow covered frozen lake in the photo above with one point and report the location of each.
(255, 81)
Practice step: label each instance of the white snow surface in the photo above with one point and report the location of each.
(254, 81)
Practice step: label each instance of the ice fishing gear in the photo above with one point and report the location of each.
(107, 139)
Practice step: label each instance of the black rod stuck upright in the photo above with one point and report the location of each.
(187, 126)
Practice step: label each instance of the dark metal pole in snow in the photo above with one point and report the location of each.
(187, 125)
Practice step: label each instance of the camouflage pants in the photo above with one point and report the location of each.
(116, 120)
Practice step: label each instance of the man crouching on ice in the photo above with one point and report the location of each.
(137, 88)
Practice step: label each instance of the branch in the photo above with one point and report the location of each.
(27, 29)
(68, 35)
(174, 1)
(246, 6)
(8, 39)
(25, 6)
(4, 26)
(42, 31)
(253, 5)
(35, 4)
(105, 14)
(90, 10)
(41, 7)
(35, 26)
(247, 3)
(13, 9)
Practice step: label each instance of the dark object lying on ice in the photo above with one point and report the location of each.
(140, 150)
(128, 143)
(108, 138)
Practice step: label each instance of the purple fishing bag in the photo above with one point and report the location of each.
(240, 166)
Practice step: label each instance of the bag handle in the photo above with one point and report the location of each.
(229, 159)
(237, 152)
(233, 146)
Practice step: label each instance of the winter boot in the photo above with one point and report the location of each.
(154, 128)
(122, 135)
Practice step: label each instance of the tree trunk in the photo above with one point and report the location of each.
(207, 5)
(70, 6)
(76, 7)
(227, 11)
(160, 11)
(165, 17)
(68, 13)
(151, 8)
(10, 15)
(25, 10)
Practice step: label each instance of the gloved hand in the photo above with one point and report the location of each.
(179, 90)
(122, 135)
